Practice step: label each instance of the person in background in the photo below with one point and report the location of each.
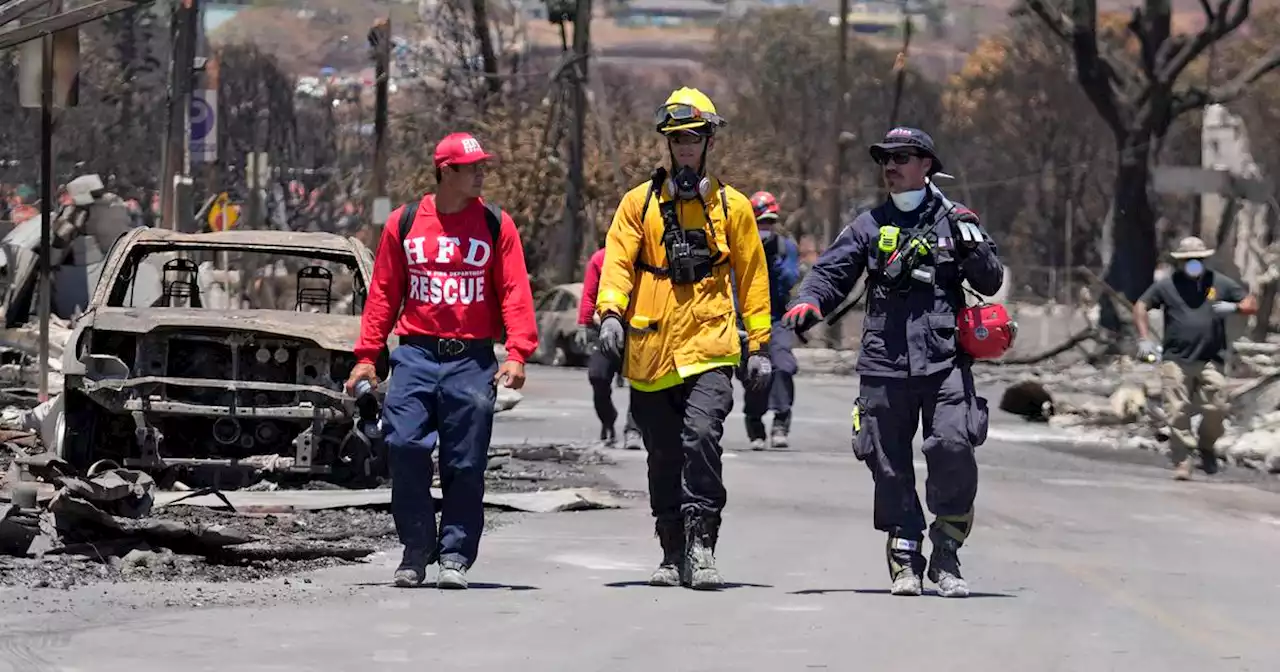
(1196, 301)
(601, 369)
(783, 257)
(449, 285)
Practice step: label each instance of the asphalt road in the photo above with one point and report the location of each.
(1079, 564)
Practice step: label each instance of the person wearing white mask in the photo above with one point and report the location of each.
(918, 250)
(1196, 302)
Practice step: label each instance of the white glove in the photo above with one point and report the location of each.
(1148, 350)
(1225, 307)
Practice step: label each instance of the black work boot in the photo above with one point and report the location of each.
(906, 565)
(699, 569)
(670, 534)
(944, 566)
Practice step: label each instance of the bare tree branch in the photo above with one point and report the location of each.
(1228, 17)
(1195, 98)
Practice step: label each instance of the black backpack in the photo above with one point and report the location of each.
(492, 217)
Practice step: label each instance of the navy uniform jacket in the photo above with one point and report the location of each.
(909, 332)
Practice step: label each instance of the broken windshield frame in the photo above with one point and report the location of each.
(347, 276)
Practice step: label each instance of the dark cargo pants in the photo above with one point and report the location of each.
(779, 394)
(681, 427)
(601, 371)
(446, 399)
(955, 422)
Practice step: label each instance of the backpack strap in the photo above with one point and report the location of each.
(493, 217)
(407, 215)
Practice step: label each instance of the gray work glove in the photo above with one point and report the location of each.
(1225, 307)
(759, 371)
(1148, 351)
(612, 336)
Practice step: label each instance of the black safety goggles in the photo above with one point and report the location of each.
(675, 114)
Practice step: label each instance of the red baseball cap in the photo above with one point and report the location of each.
(459, 149)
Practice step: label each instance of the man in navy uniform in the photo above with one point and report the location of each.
(917, 249)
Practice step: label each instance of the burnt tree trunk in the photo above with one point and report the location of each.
(1134, 248)
(480, 14)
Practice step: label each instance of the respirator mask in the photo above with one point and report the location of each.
(908, 201)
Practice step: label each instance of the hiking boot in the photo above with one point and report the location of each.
(944, 569)
(757, 444)
(631, 440)
(670, 534)
(699, 570)
(453, 576)
(608, 435)
(906, 565)
(413, 568)
(1182, 472)
(779, 438)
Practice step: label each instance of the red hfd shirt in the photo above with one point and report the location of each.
(448, 279)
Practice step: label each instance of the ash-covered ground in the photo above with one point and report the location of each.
(535, 468)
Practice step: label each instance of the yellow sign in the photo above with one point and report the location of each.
(223, 215)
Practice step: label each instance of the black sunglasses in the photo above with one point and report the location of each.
(899, 158)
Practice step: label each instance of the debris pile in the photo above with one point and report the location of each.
(1120, 404)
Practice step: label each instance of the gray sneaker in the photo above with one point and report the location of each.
(757, 444)
(778, 439)
(409, 577)
(453, 576)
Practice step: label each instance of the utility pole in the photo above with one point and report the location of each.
(46, 203)
(900, 65)
(573, 202)
(175, 162)
(836, 215)
(380, 44)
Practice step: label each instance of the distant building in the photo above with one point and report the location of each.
(668, 13)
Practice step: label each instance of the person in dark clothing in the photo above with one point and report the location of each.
(918, 248)
(1196, 302)
(449, 279)
(783, 257)
(601, 369)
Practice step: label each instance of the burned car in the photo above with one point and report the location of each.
(174, 383)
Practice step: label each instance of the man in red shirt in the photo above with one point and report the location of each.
(601, 370)
(449, 289)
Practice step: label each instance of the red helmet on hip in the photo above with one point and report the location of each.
(764, 205)
(986, 331)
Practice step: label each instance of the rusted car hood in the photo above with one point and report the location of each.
(329, 331)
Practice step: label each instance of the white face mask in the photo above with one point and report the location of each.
(908, 201)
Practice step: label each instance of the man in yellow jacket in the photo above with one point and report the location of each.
(678, 245)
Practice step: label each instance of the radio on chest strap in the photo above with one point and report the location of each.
(690, 254)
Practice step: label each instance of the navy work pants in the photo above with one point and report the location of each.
(779, 395)
(955, 422)
(601, 370)
(445, 399)
(681, 428)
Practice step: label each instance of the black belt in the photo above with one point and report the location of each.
(448, 347)
(662, 272)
